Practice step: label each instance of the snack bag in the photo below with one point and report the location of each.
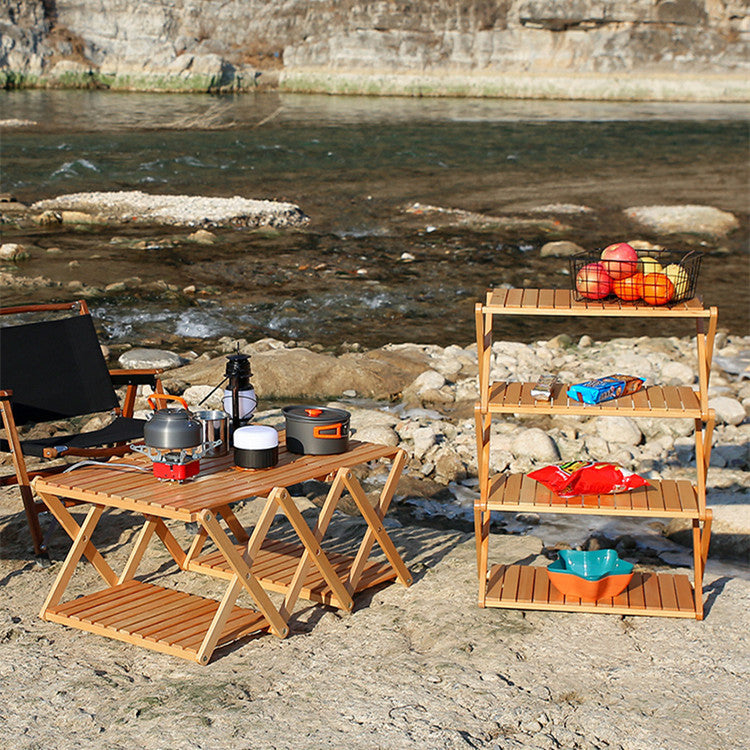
(605, 389)
(586, 478)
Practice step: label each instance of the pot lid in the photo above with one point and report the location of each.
(255, 437)
(316, 414)
(171, 415)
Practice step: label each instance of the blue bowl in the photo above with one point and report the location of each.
(592, 565)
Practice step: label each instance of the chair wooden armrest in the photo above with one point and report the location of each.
(132, 379)
(6, 394)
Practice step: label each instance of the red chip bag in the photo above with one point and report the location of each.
(584, 478)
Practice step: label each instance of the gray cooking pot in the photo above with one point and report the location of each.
(172, 429)
(316, 431)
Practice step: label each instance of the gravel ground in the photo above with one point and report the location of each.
(409, 668)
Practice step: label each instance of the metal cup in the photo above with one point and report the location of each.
(214, 426)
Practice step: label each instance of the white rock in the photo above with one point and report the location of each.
(677, 373)
(424, 439)
(196, 393)
(621, 430)
(728, 410)
(535, 444)
(379, 434)
(137, 359)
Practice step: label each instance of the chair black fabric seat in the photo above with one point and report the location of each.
(121, 430)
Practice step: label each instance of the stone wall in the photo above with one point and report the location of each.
(589, 48)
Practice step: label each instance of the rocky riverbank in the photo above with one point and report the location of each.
(424, 666)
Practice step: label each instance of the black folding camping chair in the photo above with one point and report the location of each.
(55, 370)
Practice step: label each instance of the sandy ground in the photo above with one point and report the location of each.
(422, 667)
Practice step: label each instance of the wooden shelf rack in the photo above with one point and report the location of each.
(528, 587)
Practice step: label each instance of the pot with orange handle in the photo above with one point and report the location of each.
(316, 431)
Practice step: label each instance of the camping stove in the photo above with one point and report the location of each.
(177, 465)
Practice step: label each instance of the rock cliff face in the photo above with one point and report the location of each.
(629, 48)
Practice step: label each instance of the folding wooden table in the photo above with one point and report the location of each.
(191, 626)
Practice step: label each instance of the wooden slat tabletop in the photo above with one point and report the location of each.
(218, 483)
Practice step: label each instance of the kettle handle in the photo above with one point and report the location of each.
(166, 397)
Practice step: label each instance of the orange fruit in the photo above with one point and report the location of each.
(637, 280)
(657, 289)
(628, 289)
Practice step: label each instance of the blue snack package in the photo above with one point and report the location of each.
(605, 389)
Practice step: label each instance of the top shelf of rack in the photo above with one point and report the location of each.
(561, 302)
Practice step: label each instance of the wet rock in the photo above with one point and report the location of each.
(80, 217)
(202, 237)
(728, 410)
(561, 249)
(178, 210)
(14, 252)
(47, 218)
(685, 219)
(141, 359)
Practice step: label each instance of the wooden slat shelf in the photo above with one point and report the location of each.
(276, 563)
(664, 499)
(529, 587)
(165, 620)
(680, 402)
(650, 593)
(562, 302)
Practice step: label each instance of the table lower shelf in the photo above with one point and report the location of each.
(529, 587)
(165, 620)
(275, 565)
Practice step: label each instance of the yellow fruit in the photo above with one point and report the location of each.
(648, 265)
(679, 277)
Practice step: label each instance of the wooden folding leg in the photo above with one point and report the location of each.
(242, 572)
(700, 552)
(136, 554)
(375, 531)
(73, 530)
(81, 545)
(313, 551)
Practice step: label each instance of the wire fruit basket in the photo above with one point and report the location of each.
(656, 277)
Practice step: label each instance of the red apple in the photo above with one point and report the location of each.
(593, 282)
(620, 260)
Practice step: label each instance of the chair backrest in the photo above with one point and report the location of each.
(55, 369)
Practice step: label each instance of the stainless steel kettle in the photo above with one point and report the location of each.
(171, 429)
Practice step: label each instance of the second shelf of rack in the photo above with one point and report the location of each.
(668, 498)
(655, 401)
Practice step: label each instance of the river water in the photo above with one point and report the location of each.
(353, 164)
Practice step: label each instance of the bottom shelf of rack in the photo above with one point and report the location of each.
(529, 587)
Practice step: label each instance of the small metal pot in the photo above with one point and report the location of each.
(316, 431)
(214, 426)
(171, 429)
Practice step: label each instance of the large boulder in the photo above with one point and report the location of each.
(300, 373)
